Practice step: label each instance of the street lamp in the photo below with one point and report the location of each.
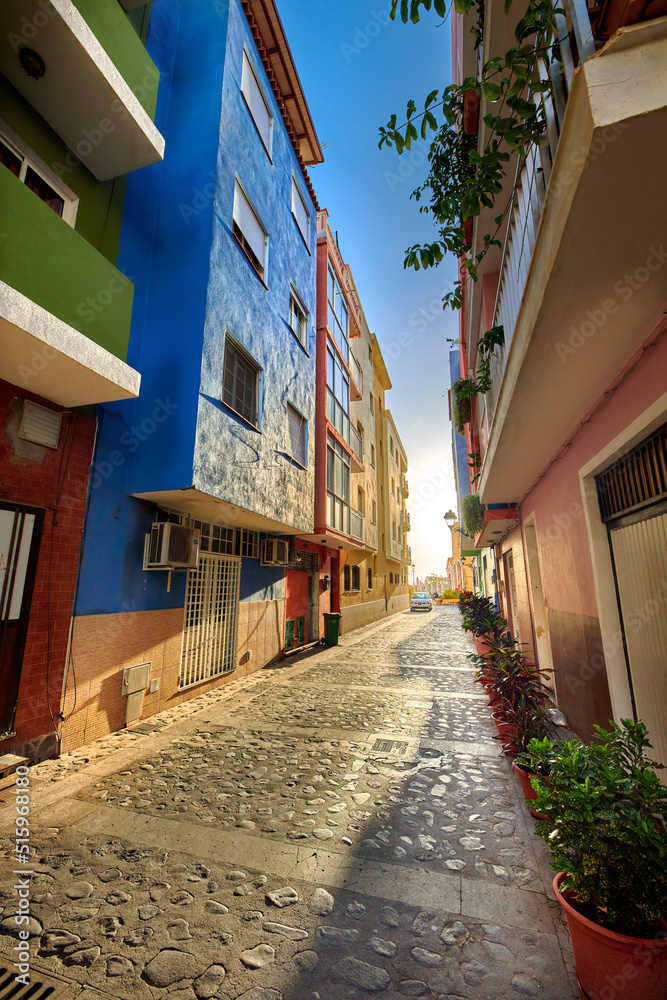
(413, 574)
(451, 518)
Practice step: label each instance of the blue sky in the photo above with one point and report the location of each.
(357, 67)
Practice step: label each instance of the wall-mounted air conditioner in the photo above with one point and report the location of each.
(171, 546)
(275, 552)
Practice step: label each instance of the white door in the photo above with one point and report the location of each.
(640, 560)
(211, 618)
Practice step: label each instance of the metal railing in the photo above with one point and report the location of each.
(357, 443)
(356, 523)
(405, 520)
(405, 491)
(531, 182)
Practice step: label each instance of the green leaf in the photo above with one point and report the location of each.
(492, 91)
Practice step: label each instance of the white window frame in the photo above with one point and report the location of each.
(304, 424)
(30, 159)
(296, 301)
(246, 78)
(242, 203)
(297, 198)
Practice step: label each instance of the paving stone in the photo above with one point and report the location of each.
(525, 985)
(208, 984)
(306, 961)
(258, 957)
(283, 897)
(336, 937)
(367, 977)
(454, 933)
(424, 957)
(321, 902)
(292, 933)
(170, 967)
(118, 965)
(381, 947)
(389, 916)
(9, 926)
(413, 988)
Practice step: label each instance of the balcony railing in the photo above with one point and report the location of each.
(405, 490)
(405, 520)
(357, 443)
(356, 523)
(532, 179)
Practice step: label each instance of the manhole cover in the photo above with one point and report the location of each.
(397, 747)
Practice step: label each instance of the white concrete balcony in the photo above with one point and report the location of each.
(582, 279)
(100, 106)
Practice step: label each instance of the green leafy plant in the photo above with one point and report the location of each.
(472, 514)
(608, 829)
(462, 394)
(463, 179)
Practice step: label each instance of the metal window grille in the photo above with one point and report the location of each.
(639, 478)
(239, 385)
(211, 618)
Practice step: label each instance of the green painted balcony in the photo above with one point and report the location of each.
(65, 311)
(91, 79)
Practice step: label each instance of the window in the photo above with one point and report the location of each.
(300, 212)
(297, 429)
(391, 446)
(346, 578)
(372, 456)
(338, 395)
(35, 177)
(384, 544)
(372, 410)
(361, 502)
(298, 319)
(370, 358)
(338, 486)
(249, 231)
(374, 515)
(338, 315)
(393, 488)
(355, 578)
(256, 102)
(393, 530)
(399, 532)
(225, 541)
(381, 450)
(381, 494)
(240, 381)
(391, 578)
(370, 579)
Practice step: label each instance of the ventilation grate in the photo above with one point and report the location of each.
(10, 988)
(639, 478)
(397, 747)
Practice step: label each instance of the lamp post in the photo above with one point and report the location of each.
(413, 574)
(451, 518)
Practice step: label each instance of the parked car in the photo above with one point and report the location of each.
(421, 602)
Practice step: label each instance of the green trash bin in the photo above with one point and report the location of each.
(331, 627)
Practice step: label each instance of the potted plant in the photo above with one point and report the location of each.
(462, 393)
(472, 514)
(608, 841)
(535, 747)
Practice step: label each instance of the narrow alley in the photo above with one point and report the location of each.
(340, 825)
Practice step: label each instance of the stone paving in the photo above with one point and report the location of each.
(340, 826)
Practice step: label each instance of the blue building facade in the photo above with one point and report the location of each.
(219, 240)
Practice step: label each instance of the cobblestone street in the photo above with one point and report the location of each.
(340, 825)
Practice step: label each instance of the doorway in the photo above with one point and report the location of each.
(211, 616)
(313, 619)
(20, 534)
(542, 643)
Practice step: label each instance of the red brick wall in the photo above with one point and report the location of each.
(59, 484)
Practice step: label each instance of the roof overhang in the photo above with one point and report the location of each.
(378, 362)
(48, 357)
(205, 507)
(82, 95)
(335, 540)
(284, 69)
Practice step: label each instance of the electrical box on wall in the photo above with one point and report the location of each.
(275, 552)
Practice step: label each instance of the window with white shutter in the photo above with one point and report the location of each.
(300, 212)
(296, 427)
(256, 102)
(249, 231)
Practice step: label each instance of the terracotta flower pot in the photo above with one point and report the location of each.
(613, 966)
(481, 645)
(529, 792)
(506, 730)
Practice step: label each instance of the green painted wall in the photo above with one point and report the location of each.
(57, 268)
(109, 23)
(101, 203)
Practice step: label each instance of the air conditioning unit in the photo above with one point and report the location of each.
(275, 552)
(172, 546)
